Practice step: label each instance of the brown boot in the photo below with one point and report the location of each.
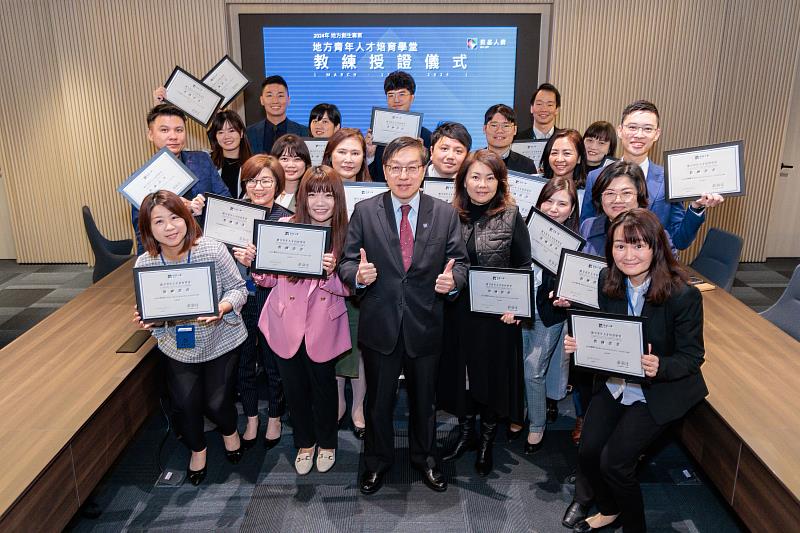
(576, 433)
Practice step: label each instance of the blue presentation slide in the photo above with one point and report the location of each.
(460, 71)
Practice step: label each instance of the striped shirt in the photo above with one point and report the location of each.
(217, 338)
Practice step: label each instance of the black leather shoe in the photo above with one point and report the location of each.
(249, 443)
(485, 461)
(466, 439)
(552, 410)
(512, 435)
(342, 423)
(530, 449)
(234, 456)
(583, 526)
(434, 479)
(196, 476)
(370, 482)
(360, 433)
(574, 514)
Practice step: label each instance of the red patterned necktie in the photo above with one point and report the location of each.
(406, 237)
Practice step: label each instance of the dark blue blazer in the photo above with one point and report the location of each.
(681, 226)
(208, 180)
(376, 167)
(255, 134)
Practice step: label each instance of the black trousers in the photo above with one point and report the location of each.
(382, 372)
(313, 399)
(206, 388)
(613, 438)
(255, 351)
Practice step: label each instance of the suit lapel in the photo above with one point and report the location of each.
(423, 231)
(655, 183)
(389, 225)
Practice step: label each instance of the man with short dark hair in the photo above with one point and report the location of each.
(275, 99)
(545, 105)
(166, 127)
(400, 89)
(404, 255)
(450, 144)
(639, 129)
(500, 126)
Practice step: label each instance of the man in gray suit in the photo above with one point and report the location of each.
(405, 255)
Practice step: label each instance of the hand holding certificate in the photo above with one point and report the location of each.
(355, 191)
(291, 249)
(192, 96)
(176, 292)
(231, 221)
(608, 343)
(578, 274)
(162, 171)
(227, 78)
(548, 238)
(389, 124)
(690, 173)
(499, 291)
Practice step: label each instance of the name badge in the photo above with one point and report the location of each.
(184, 336)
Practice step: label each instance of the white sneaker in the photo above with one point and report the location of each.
(325, 460)
(303, 463)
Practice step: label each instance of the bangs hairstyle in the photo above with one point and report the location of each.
(399, 80)
(641, 226)
(505, 111)
(554, 185)
(217, 123)
(319, 111)
(615, 170)
(324, 179)
(579, 172)
(452, 130)
(174, 204)
(293, 146)
(603, 131)
(253, 167)
(502, 197)
(338, 138)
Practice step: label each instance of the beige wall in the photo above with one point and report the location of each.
(82, 71)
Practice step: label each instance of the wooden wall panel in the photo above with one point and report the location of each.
(718, 70)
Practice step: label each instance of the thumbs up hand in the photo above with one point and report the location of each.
(366, 273)
(444, 281)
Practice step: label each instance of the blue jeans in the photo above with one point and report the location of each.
(539, 344)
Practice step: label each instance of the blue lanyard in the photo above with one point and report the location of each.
(629, 298)
(188, 258)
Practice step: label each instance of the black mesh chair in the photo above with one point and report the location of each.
(786, 312)
(719, 258)
(108, 255)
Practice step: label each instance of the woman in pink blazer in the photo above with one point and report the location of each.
(305, 323)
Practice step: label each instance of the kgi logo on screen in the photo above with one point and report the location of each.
(472, 43)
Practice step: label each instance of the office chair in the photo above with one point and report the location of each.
(108, 255)
(786, 312)
(719, 258)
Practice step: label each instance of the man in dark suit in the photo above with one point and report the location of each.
(404, 254)
(400, 89)
(275, 99)
(500, 126)
(545, 105)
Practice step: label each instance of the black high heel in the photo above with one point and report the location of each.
(196, 476)
(234, 456)
(249, 443)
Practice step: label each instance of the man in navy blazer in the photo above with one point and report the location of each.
(638, 131)
(166, 127)
(275, 99)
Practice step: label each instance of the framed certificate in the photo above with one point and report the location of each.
(162, 171)
(715, 168)
(608, 343)
(500, 290)
(389, 124)
(192, 96)
(525, 188)
(532, 149)
(316, 149)
(577, 277)
(548, 238)
(290, 249)
(355, 191)
(441, 188)
(227, 78)
(231, 221)
(176, 292)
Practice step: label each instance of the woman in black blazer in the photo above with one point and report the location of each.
(625, 417)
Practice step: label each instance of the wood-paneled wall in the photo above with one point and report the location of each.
(718, 70)
(79, 76)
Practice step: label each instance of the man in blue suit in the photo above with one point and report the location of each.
(166, 127)
(638, 131)
(275, 99)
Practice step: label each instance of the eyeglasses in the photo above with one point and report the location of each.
(265, 183)
(611, 196)
(631, 129)
(505, 126)
(396, 171)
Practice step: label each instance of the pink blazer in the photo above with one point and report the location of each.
(310, 308)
